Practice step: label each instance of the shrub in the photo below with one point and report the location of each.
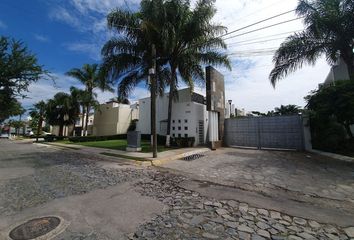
(52, 138)
(183, 141)
(97, 138)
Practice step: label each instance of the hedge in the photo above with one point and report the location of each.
(183, 141)
(97, 138)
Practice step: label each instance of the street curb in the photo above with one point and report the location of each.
(333, 155)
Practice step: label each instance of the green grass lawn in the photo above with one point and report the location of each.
(117, 145)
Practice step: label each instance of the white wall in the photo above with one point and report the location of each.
(113, 118)
(185, 114)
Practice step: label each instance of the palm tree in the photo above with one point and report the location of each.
(90, 76)
(128, 57)
(191, 42)
(287, 110)
(62, 111)
(329, 31)
(38, 112)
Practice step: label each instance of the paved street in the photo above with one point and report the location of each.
(101, 199)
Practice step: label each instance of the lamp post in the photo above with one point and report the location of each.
(230, 101)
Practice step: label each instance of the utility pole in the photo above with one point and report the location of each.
(152, 75)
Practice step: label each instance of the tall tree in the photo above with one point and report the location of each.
(89, 75)
(329, 31)
(62, 111)
(334, 101)
(190, 41)
(38, 113)
(129, 56)
(18, 69)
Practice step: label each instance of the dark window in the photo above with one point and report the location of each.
(179, 128)
(173, 121)
(173, 135)
(179, 120)
(185, 135)
(173, 128)
(179, 135)
(185, 128)
(185, 120)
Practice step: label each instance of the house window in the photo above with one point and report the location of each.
(179, 128)
(179, 135)
(185, 128)
(188, 111)
(173, 135)
(185, 120)
(185, 135)
(173, 128)
(179, 120)
(173, 121)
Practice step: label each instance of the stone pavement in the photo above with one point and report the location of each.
(101, 200)
(297, 176)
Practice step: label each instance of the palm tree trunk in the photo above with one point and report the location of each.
(61, 128)
(82, 120)
(39, 127)
(170, 102)
(348, 130)
(87, 118)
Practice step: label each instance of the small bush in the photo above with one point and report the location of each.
(161, 140)
(183, 141)
(52, 138)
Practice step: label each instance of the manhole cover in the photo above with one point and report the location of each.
(34, 228)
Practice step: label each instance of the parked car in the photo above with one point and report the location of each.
(4, 135)
(29, 133)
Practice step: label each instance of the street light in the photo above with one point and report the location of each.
(230, 101)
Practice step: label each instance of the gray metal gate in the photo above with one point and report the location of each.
(278, 132)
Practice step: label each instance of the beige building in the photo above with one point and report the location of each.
(114, 118)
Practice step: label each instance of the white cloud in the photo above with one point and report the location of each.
(90, 49)
(63, 15)
(2, 25)
(41, 38)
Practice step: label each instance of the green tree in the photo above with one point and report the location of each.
(37, 114)
(62, 110)
(129, 56)
(17, 124)
(190, 42)
(337, 102)
(287, 110)
(90, 76)
(329, 31)
(18, 69)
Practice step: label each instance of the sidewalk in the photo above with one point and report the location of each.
(143, 158)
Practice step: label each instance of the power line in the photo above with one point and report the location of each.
(263, 41)
(263, 37)
(262, 28)
(256, 23)
(255, 12)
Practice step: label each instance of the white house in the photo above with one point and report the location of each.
(114, 118)
(189, 116)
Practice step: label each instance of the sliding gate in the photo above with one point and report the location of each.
(277, 132)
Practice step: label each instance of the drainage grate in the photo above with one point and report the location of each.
(193, 157)
(34, 228)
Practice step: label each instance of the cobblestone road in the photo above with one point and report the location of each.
(35, 178)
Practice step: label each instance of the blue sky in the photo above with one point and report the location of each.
(68, 33)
